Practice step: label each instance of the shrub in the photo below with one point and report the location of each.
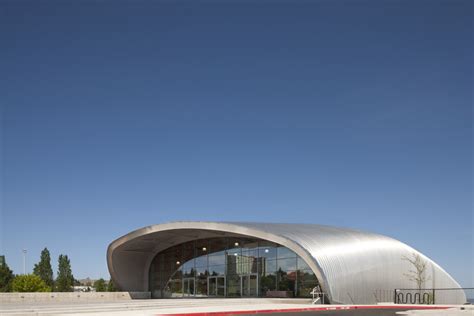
(29, 283)
(111, 286)
(100, 285)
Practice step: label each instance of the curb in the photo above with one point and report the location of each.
(306, 309)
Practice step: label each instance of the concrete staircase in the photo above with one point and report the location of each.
(161, 305)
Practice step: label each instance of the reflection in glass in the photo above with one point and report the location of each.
(216, 286)
(268, 279)
(201, 285)
(201, 261)
(306, 282)
(288, 264)
(283, 252)
(217, 270)
(229, 267)
(233, 285)
(175, 288)
(188, 269)
(217, 258)
(250, 248)
(188, 286)
(302, 265)
(267, 250)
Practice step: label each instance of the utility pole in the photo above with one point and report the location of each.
(24, 261)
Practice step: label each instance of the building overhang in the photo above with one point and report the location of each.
(129, 257)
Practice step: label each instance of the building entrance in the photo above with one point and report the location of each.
(216, 286)
(249, 285)
(188, 287)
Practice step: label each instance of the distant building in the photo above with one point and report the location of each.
(2, 261)
(87, 282)
(210, 259)
(83, 288)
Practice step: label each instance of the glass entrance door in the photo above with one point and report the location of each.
(216, 286)
(249, 284)
(188, 287)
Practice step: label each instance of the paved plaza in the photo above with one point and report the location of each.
(212, 307)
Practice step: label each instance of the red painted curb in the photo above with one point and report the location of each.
(305, 309)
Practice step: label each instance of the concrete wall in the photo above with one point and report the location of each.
(70, 297)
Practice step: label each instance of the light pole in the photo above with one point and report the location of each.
(24, 261)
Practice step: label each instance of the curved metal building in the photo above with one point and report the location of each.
(213, 259)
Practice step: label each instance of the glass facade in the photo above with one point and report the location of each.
(230, 267)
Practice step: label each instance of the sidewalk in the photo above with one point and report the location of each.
(207, 307)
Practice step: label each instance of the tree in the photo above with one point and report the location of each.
(6, 278)
(29, 283)
(65, 279)
(100, 286)
(111, 286)
(43, 268)
(418, 272)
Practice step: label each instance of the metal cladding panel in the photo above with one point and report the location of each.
(360, 267)
(353, 267)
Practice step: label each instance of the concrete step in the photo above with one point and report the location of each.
(94, 307)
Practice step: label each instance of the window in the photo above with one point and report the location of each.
(302, 265)
(217, 270)
(288, 264)
(222, 267)
(217, 258)
(267, 250)
(201, 261)
(188, 269)
(306, 282)
(233, 285)
(283, 252)
(201, 248)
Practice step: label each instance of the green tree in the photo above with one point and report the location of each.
(29, 283)
(43, 268)
(100, 286)
(6, 278)
(111, 286)
(65, 279)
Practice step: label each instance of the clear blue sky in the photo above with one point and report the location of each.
(118, 115)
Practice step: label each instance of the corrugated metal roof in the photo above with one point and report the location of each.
(353, 266)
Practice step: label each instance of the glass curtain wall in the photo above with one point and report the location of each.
(230, 267)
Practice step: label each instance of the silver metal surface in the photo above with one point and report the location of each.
(351, 265)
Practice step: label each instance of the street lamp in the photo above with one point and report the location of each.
(24, 261)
